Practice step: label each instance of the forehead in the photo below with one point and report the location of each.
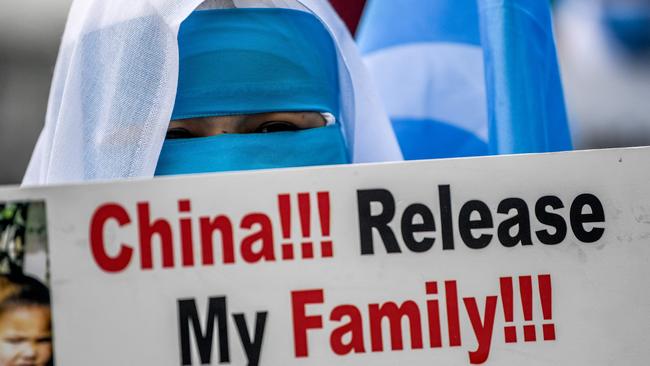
(25, 319)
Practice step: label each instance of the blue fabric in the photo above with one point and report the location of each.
(391, 26)
(243, 61)
(409, 133)
(526, 107)
(388, 23)
(232, 152)
(523, 95)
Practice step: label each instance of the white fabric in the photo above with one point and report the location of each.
(115, 82)
(449, 76)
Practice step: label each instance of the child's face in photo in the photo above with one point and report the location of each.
(25, 336)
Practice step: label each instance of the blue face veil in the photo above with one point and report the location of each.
(269, 60)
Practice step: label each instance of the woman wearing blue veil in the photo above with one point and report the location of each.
(225, 73)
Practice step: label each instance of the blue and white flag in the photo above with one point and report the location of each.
(467, 77)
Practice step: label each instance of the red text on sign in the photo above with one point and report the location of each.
(408, 321)
(216, 235)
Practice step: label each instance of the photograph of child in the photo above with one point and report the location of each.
(25, 313)
(25, 322)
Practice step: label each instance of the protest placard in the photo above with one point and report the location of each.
(531, 259)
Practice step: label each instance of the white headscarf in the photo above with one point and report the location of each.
(115, 83)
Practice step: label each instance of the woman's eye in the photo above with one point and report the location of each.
(276, 126)
(178, 133)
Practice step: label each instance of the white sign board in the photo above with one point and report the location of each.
(535, 260)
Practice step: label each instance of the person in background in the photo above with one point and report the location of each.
(604, 51)
(25, 322)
